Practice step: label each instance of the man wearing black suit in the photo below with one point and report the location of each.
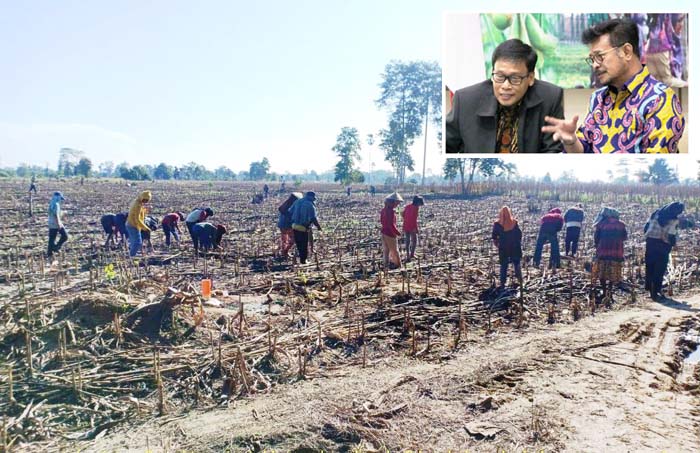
(506, 113)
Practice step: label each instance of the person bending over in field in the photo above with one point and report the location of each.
(135, 223)
(152, 224)
(171, 228)
(507, 237)
(109, 225)
(660, 233)
(550, 225)
(56, 225)
(390, 232)
(207, 235)
(196, 216)
(609, 238)
(573, 219)
(410, 226)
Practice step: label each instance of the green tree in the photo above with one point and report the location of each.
(658, 173)
(163, 171)
(411, 91)
(453, 168)
(347, 148)
(224, 173)
(259, 170)
(84, 167)
(470, 167)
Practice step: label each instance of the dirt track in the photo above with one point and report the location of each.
(611, 382)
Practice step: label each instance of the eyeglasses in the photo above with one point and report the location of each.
(513, 79)
(598, 56)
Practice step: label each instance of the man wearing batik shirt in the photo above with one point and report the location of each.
(633, 113)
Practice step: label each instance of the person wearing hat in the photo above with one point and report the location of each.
(196, 216)
(207, 235)
(390, 232)
(55, 224)
(303, 213)
(284, 223)
(171, 227)
(152, 224)
(609, 237)
(410, 226)
(135, 222)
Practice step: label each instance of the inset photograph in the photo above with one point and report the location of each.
(565, 83)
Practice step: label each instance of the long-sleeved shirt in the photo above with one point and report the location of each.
(171, 219)
(206, 234)
(196, 216)
(609, 237)
(55, 215)
(573, 217)
(410, 219)
(137, 215)
(303, 214)
(645, 116)
(388, 219)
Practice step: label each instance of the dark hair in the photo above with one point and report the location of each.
(209, 211)
(621, 31)
(515, 50)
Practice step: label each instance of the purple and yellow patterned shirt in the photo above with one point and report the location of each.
(643, 117)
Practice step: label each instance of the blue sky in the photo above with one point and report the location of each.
(216, 82)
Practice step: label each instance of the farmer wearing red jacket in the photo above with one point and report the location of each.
(390, 232)
(410, 226)
(550, 225)
(170, 226)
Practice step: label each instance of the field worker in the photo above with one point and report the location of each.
(32, 185)
(507, 237)
(120, 220)
(372, 190)
(390, 232)
(573, 221)
(109, 225)
(633, 112)
(284, 223)
(171, 227)
(207, 235)
(410, 226)
(196, 216)
(266, 191)
(660, 232)
(506, 113)
(152, 224)
(550, 224)
(303, 216)
(55, 224)
(135, 222)
(609, 238)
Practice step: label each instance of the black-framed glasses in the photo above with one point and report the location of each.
(513, 79)
(598, 57)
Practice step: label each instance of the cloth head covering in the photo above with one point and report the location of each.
(209, 211)
(181, 215)
(145, 196)
(670, 212)
(555, 211)
(310, 195)
(297, 195)
(418, 200)
(605, 213)
(506, 219)
(55, 200)
(222, 229)
(394, 197)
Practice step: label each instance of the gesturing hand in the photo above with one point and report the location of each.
(561, 130)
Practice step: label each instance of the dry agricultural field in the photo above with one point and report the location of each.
(100, 353)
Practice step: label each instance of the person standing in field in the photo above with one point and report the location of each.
(410, 226)
(303, 216)
(196, 216)
(135, 222)
(171, 227)
(32, 185)
(55, 224)
(660, 232)
(573, 220)
(390, 232)
(507, 237)
(550, 224)
(284, 223)
(609, 238)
